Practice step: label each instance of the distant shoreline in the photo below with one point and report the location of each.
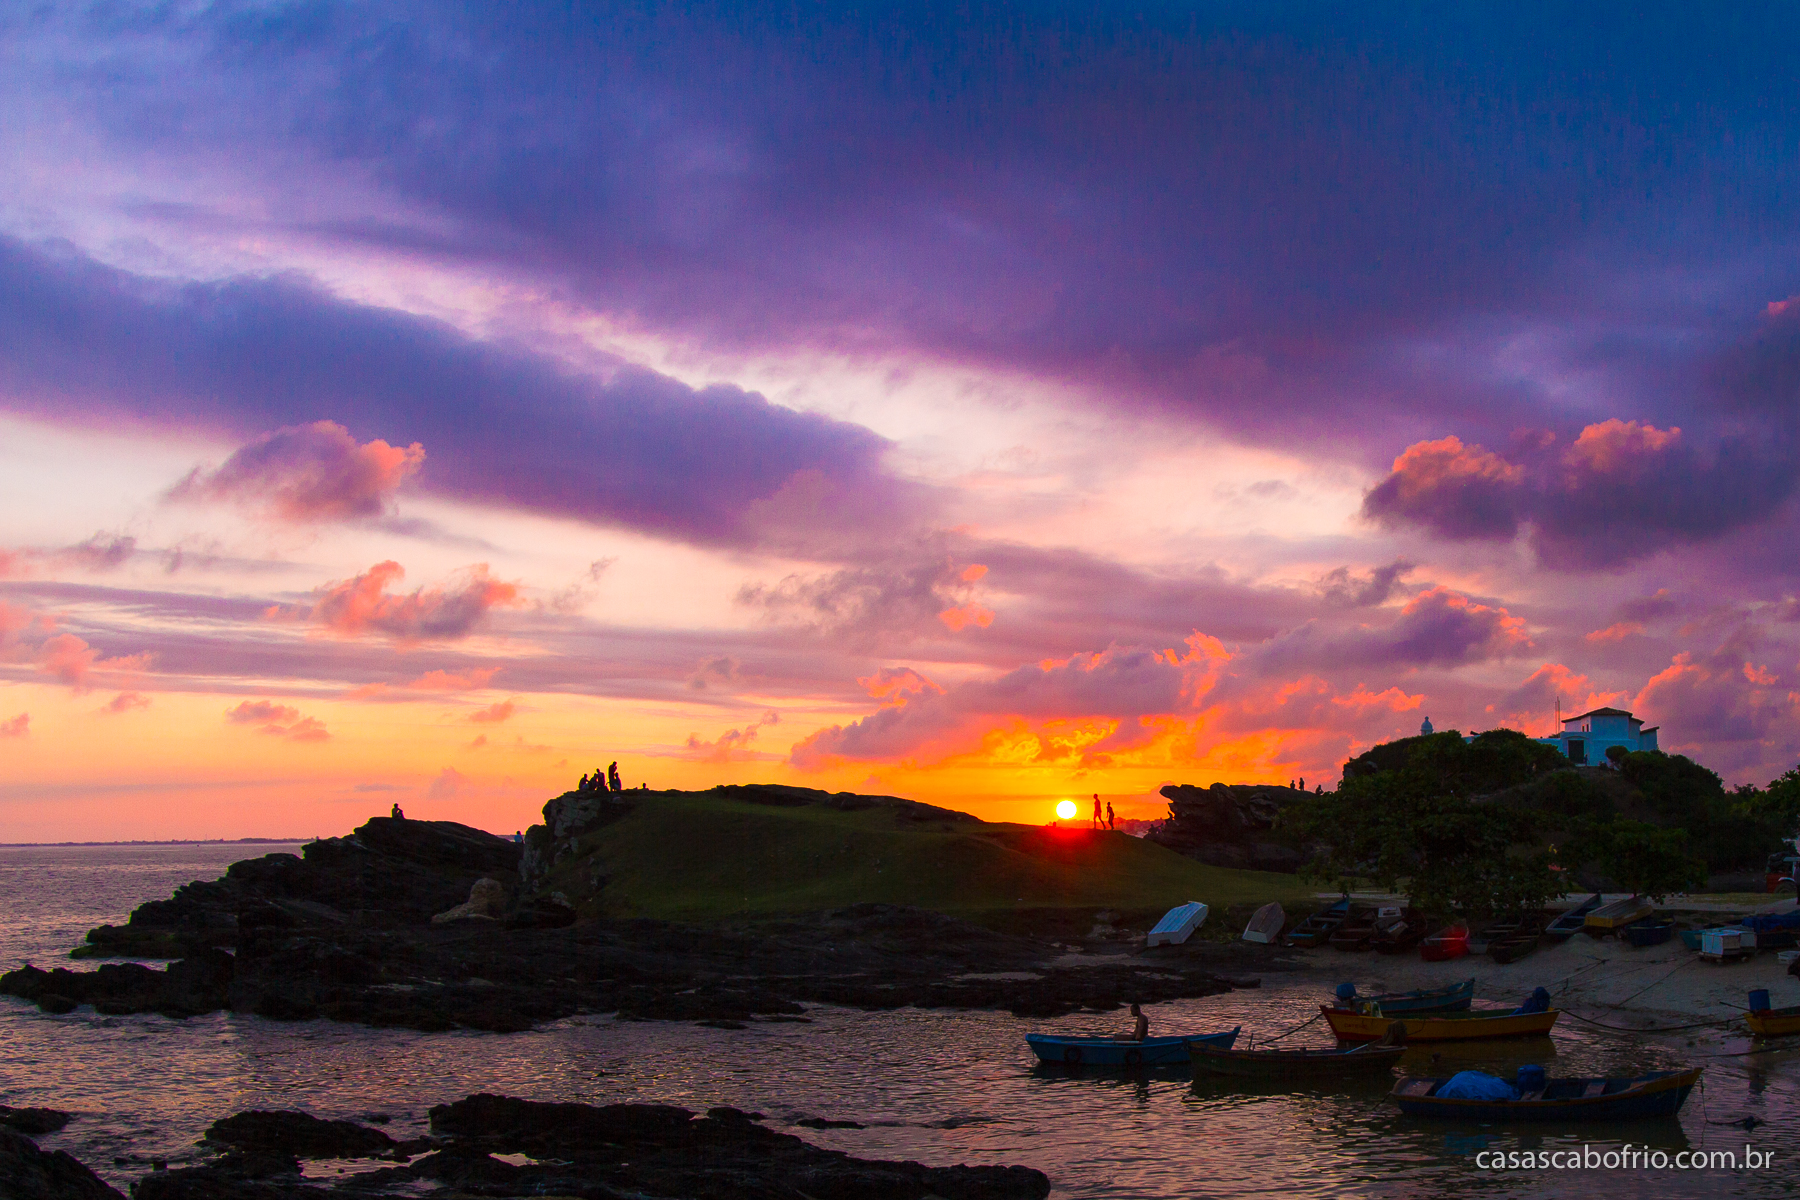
(167, 842)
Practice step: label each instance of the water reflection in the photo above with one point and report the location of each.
(939, 1087)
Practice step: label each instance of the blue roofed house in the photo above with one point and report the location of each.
(1585, 739)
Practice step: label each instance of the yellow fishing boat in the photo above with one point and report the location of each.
(1620, 913)
(1773, 1022)
(1350, 1026)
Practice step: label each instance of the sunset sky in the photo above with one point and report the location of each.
(986, 404)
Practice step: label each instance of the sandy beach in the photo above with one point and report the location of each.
(1602, 979)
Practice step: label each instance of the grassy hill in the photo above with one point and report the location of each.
(761, 852)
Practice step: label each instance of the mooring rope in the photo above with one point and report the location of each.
(1295, 1029)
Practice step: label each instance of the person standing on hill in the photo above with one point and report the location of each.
(1112, 822)
(612, 778)
(1097, 810)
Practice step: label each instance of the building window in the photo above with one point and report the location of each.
(1577, 750)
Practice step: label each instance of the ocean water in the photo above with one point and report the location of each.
(938, 1087)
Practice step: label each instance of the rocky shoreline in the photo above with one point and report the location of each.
(346, 931)
(487, 1145)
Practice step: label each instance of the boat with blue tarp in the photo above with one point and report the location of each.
(1121, 1052)
(1655, 1094)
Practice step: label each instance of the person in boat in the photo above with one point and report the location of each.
(1140, 1029)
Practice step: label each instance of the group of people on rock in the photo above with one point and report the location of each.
(1109, 821)
(609, 782)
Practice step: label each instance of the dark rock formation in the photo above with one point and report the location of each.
(298, 1135)
(1231, 825)
(649, 1151)
(28, 1173)
(33, 1122)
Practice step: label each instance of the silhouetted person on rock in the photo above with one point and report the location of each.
(1112, 822)
(584, 784)
(396, 813)
(1096, 810)
(612, 778)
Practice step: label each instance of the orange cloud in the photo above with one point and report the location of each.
(493, 714)
(278, 720)
(1616, 633)
(17, 727)
(968, 614)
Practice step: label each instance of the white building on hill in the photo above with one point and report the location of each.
(1585, 739)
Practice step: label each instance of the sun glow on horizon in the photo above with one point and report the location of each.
(1065, 809)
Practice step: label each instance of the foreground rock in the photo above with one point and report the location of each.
(650, 1151)
(347, 932)
(1231, 825)
(28, 1173)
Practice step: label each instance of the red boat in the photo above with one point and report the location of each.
(1450, 942)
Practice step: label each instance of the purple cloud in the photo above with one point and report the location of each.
(313, 472)
(501, 425)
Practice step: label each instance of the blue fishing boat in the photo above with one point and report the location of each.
(1456, 997)
(1316, 929)
(1573, 921)
(1121, 1052)
(1657, 1094)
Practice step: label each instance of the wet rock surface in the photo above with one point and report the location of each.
(1231, 825)
(346, 932)
(28, 1173)
(650, 1151)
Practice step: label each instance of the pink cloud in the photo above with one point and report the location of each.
(278, 720)
(17, 727)
(363, 604)
(307, 473)
(1617, 632)
(126, 702)
(449, 784)
(471, 680)
(493, 714)
(733, 744)
(70, 660)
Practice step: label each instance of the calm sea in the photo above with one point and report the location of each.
(939, 1087)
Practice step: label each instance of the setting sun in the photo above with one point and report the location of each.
(1065, 809)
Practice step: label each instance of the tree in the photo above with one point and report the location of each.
(1410, 818)
(1648, 859)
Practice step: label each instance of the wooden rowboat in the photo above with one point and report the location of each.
(1356, 931)
(1120, 1052)
(1265, 926)
(1296, 1065)
(1447, 1027)
(1315, 929)
(1657, 1094)
(1571, 922)
(1450, 942)
(1455, 997)
(1773, 1022)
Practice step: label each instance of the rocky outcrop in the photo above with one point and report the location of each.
(651, 1151)
(486, 902)
(567, 819)
(291, 1134)
(28, 1173)
(1231, 825)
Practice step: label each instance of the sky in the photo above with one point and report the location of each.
(982, 403)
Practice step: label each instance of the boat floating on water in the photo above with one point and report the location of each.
(1292, 1065)
(1656, 1094)
(1121, 1052)
(1351, 1026)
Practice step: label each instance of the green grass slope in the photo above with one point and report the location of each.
(702, 855)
